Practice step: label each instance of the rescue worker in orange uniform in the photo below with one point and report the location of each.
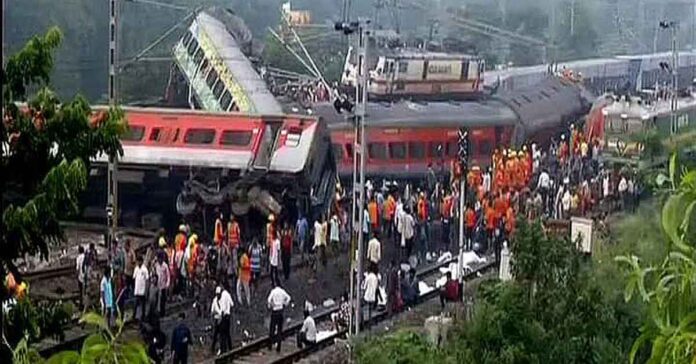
(470, 221)
(373, 211)
(497, 158)
(233, 233)
(180, 239)
(528, 165)
(499, 179)
(218, 234)
(563, 150)
(511, 169)
(491, 221)
(499, 206)
(510, 221)
(520, 167)
(389, 212)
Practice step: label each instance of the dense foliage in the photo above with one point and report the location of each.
(555, 311)
(46, 146)
(667, 288)
(31, 321)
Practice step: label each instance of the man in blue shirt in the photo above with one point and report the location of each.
(181, 339)
(301, 228)
(107, 295)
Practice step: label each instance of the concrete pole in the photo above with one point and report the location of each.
(112, 170)
(359, 151)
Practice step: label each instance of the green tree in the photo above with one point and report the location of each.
(667, 288)
(45, 148)
(103, 346)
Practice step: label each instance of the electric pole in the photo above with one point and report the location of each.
(673, 27)
(112, 170)
(464, 162)
(675, 79)
(362, 28)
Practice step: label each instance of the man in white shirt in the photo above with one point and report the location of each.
(141, 277)
(221, 311)
(374, 252)
(277, 301)
(623, 188)
(371, 287)
(544, 185)
(80, 270)
(162, 270)
(487, 180)
(307, 335)
(407, 229)
(274, 258)
(566, 201)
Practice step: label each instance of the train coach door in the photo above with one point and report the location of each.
(264, 151)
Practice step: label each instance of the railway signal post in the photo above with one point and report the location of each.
(360, 27)
(464, 161)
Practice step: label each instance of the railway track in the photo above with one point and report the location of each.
(56, 272)
(258, 350)
(75, 343)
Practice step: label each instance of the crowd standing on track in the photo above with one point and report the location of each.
(418, 220)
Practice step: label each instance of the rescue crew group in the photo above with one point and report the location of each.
(565, 179)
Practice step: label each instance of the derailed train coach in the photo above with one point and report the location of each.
(195, 160)
(405, 137)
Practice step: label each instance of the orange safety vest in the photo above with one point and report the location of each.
(446, 209)
(470, 217)
(218, 234)
(374, 214)
(422, 209)
(510, 221)
(180, 241)
(233, 235)
(490, 219)
(390, 208)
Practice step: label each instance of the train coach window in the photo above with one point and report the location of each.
(238, 138)
(192, 46)
(226, 100)
(403, 67)
(155, 134)
(349, 149)
(217, 90)
(416, 150)
(199, 136)
(435, 149)
(134, 133)
(212, 77)
(452, 149)
(377, 151)
(187, 38)
(485, 148)
(397, 150)
(198, 56)
(338, 152)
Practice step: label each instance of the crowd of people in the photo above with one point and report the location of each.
(420, 221)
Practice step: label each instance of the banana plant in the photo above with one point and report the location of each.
(667, 290)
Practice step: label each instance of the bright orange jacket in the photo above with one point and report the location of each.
(180, 241)
(233, 234)
(422, 209)
(374, 213)
(218, 234)
(470, 217)
(491, 219)
(390, 208)
(510, 221)
(446, 207)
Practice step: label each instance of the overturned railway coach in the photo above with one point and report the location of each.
(405, 137)
(264, 162)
